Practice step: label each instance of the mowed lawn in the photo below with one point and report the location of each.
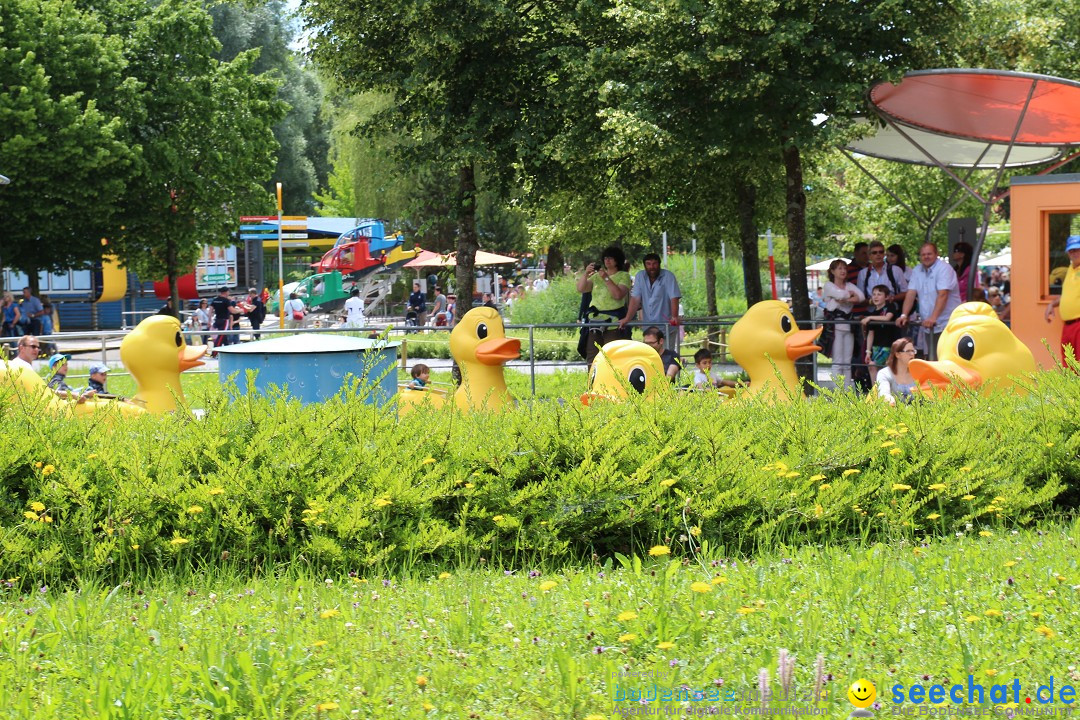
(524, 642)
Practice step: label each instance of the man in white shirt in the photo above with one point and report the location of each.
(28, 351)
(354, 310)
(880, 272)
(933, 283)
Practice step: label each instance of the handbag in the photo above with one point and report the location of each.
(298, 315)
(828, 333)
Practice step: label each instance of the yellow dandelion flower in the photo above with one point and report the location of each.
(668, 483)
(824, 486)
(91, 456)
(421, 681)
(972, 618)
(701, 587)
(718, 580)
(1000, 499)
(1049, 444)
(30, 515)
(37, 506)
(469, 486)
(966, 468)
(38, 464)
(318, 643)
(849, 472)
(331, 613)
(194, 510)
(781, 467)
(217, 491)
(326, 706)
(628, 637)
(887, 443)
(815, 478)
(1010, 563)
(792, 474)
(992, 613)
(938, 486)
(659, 550)
(695, 531)
(48, 470)
(1045, 632)
(428, 461)
(626, 616)
(900, 487)
(895, 451)
(933, 516)
(134, 547)
(1036, 614)
(547, 585)
(444, 575)
(595, 716)
(46, 519)
(1059, 578)
(428, 707)
(178, 541)
(382, 502)
(746, 610)
(818, 511)
(497, 518)
(985, 533)
(968, 497)
(665, 645)
(991, 673)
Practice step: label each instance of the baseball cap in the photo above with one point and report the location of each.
(99, 368)
(57, 359)
(1072, 243)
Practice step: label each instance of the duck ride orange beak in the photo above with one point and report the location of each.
(939, 376)
(498, 350)
(801, 343)
(191, 356)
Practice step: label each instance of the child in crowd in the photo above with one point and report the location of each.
(421, 374)
(880, 328)
(704, 378)
(58, 365)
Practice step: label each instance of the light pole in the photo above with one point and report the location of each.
(280, 266)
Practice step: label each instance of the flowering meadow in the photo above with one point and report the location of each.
(335, 560)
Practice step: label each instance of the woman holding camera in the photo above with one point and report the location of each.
(609, 283)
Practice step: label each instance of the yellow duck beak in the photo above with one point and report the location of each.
(190, 356)
(498, 350)
(801, 343)
(939, 375)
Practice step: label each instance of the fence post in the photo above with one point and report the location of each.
(532, 359)
(404, 353)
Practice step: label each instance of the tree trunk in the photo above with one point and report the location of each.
(33, 280)
(710, 297)
(746, 197)
(553, 265)
(795, 217)
(171, 271)
(467, 243)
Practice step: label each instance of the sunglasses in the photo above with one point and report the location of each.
(35, 347)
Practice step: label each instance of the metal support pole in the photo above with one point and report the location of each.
(532, 360)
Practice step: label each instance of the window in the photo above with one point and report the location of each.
(1061, 226)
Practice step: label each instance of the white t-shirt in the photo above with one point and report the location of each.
(292, 306)
(20, 364)
(354, 311)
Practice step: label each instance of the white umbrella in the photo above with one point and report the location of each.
(823, 265)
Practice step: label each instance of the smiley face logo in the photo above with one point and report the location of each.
(862, 693)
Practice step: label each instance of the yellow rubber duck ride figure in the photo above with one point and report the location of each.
(479, 345)
(978, 351)
(623, 367)
(766, 342)
(155, 353)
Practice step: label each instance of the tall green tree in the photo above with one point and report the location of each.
(303, 133)
(64, 98)
(204, 139)
(461, 74)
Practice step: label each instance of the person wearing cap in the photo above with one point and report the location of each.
(98, 378)
(1068, 301)
(58, 366)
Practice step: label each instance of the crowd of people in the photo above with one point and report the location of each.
(876, 300)
(27, 315)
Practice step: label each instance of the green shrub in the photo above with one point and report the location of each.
(344, 485)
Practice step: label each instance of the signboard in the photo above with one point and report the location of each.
(215, 268)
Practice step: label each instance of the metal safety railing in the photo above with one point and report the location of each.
(686, 335)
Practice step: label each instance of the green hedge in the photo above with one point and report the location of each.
(342, 485)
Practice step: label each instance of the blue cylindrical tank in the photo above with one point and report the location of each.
(314, 367)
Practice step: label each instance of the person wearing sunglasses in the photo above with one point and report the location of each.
(28, 351)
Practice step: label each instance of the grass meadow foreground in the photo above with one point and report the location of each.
(518, 643)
